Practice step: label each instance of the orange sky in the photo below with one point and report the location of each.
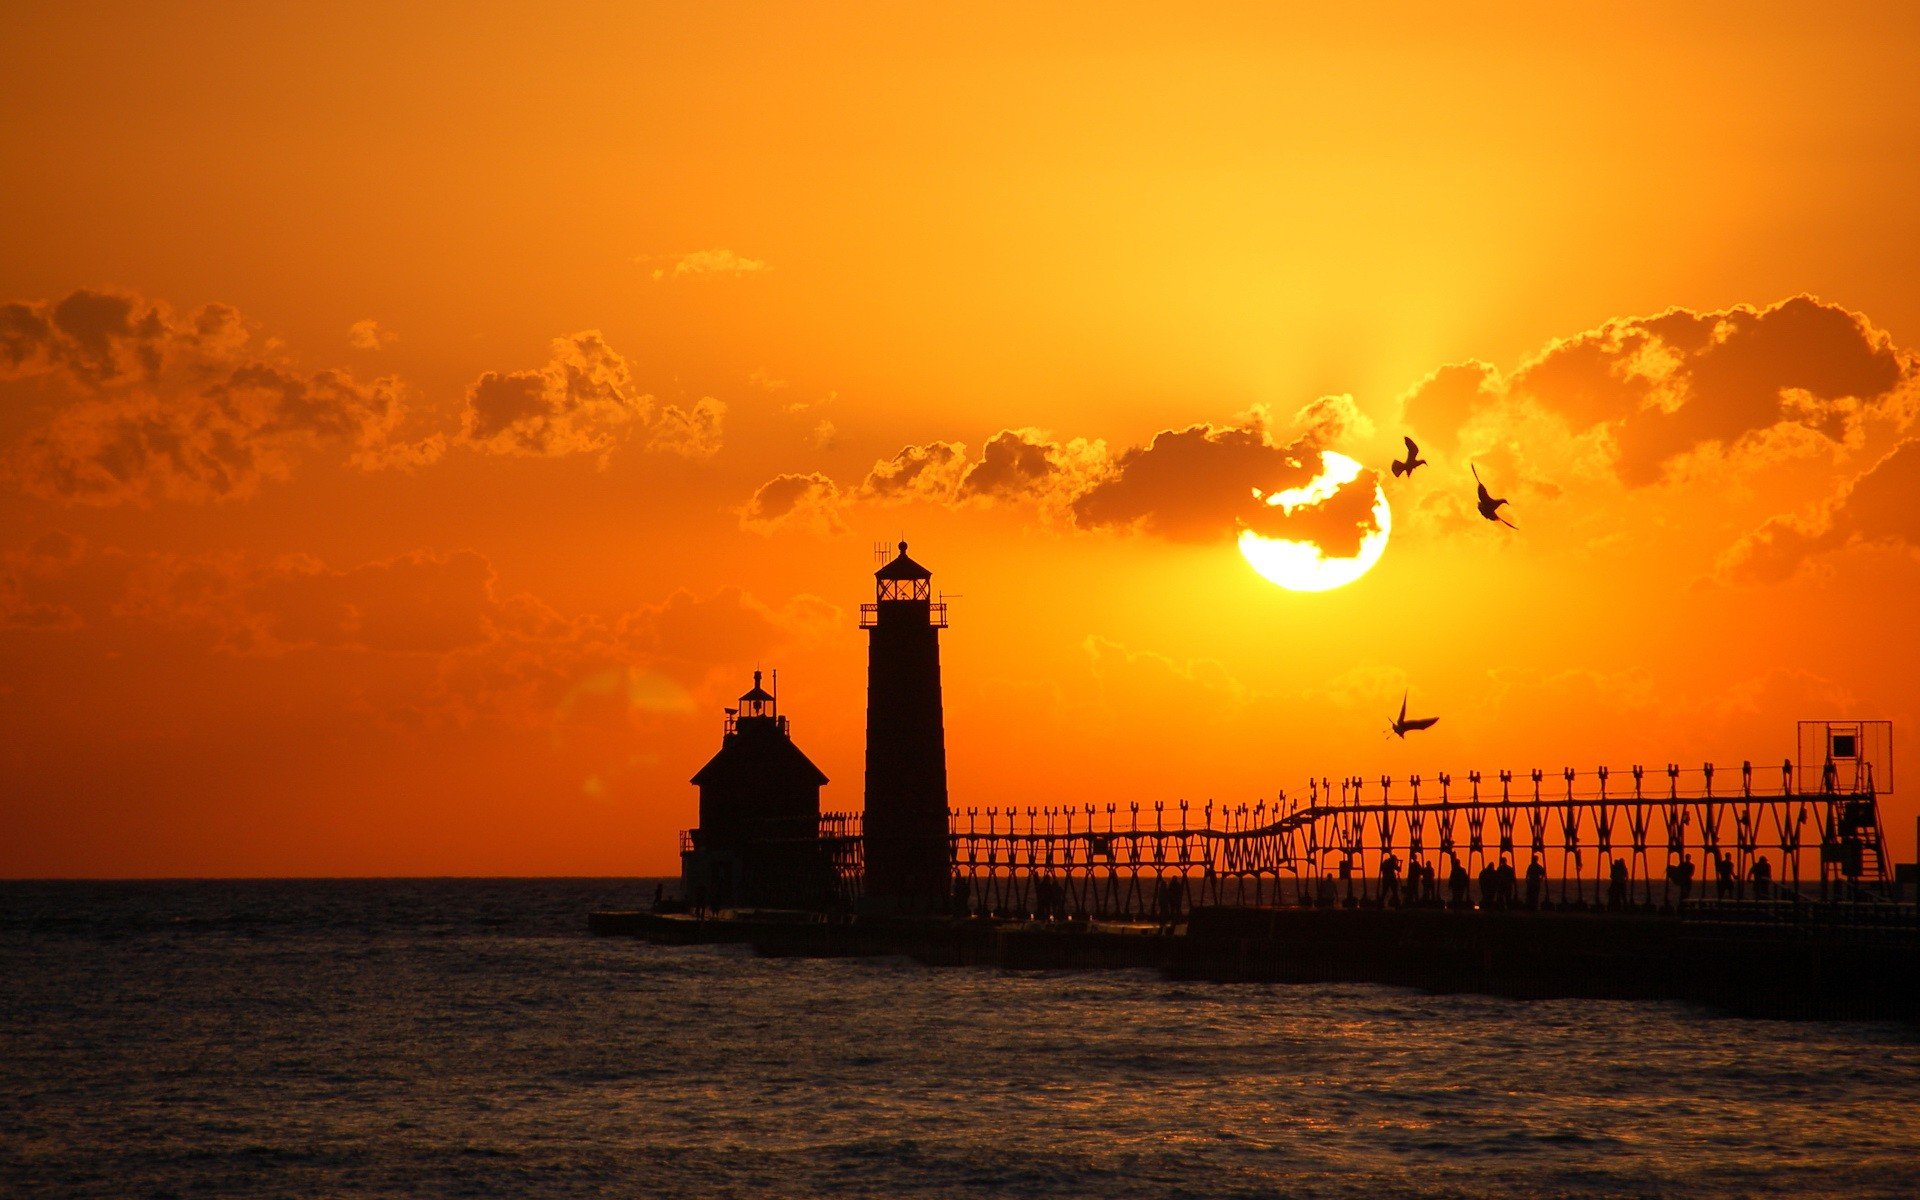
(415, 426)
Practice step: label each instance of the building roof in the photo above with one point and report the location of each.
(770, 759)
(903, 567)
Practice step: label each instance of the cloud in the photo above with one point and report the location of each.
(578, 403)
(1737, 383)
(583, 401)
(1332, 420)
(1881, 506)
(703, 264)
(1450, 397)
(438, 636)
(928, 472)
(1028, 464)
(810, 502)
(368, 335)
(1194, 484)
(153, 406)
(100, 338)
(689, 432)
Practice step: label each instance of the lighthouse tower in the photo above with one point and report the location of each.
(907, 854)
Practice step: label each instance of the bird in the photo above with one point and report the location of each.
(1401, 726)
(1413, 459)
(1490, 507)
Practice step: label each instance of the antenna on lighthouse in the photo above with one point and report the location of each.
(882, 553)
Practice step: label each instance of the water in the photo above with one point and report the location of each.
(466, 1038)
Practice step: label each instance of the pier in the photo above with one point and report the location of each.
(1757, 887)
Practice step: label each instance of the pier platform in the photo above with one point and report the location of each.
(1752, 968)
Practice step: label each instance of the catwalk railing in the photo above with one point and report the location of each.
(1600, 839)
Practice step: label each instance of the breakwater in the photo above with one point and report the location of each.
(1803, 969)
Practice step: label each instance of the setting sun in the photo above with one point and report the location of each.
(1291, 554)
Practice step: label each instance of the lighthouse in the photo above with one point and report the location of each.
(758, 844)
(907, 853)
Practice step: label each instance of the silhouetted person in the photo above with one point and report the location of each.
(1346, 880)
(1724, 876)
(1617, 886)
(1683, 877)
(1488, 505)
(1413, 460)
(1761, 873)
(1506, 883)
(1390, 880)
(1536, 883)
(1457, 880)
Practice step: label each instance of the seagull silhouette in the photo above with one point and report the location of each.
(1413, 459)
(1490, 507)
(1402, 727)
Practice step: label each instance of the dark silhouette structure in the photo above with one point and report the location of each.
(758, 843)
(908, 861)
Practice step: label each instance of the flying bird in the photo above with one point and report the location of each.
(1402, 726)
(1413, 459)
(1489, 506)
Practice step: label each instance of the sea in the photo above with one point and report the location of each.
(467, 1037)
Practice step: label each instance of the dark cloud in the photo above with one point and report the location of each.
(809, 501)
(1337, 523)
(1194, 484)
(581, 401)
(1015, 463)
(1668, 385)
(155, 406)
(99, 338)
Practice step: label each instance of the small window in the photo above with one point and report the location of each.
(1844, 745)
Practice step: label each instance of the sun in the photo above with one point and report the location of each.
(1300, 564)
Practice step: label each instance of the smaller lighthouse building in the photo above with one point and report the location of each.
(757, 845)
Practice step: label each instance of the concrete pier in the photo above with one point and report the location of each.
(1753, 969)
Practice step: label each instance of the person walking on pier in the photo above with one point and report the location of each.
(1683, 875)
(1457, 882)
(1390, 880)
(1761, 876)
(1536, 884)
(1617, 886)
(1724, 876)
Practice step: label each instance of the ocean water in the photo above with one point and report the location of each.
(468, 1038)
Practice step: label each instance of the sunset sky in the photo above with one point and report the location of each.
(416, 425)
